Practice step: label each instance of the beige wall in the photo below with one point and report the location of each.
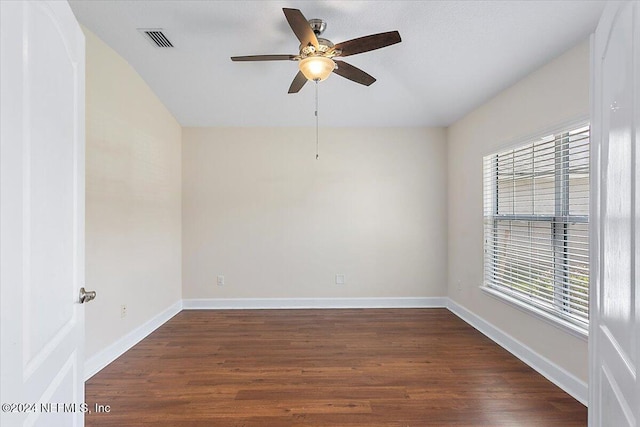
(556, 93)
(258, 208)
(133, 190)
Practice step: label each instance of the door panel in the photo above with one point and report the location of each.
(617, 310)
(612, 411)
(42, 213)
(614, 330)
(49, 191)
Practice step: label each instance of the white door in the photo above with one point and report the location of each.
(614, 340)
(41, 214)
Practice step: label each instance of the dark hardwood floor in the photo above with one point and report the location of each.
(339, 368)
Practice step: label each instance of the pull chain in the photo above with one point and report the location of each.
(317, 127)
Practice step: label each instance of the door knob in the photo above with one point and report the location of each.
(86, 296)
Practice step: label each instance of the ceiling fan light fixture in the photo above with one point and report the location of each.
(317, 68)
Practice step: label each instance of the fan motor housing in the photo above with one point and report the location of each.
(324, 47)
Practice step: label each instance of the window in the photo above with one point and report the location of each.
(536, 226)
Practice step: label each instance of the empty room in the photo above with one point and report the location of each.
(320, 213)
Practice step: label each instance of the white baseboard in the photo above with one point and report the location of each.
(557, 375)
(307, 303)
(94, 364)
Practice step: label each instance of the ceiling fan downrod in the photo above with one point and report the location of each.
(318, 25)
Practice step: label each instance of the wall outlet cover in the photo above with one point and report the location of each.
(340, 279)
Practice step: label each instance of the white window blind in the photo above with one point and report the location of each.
(536, 225)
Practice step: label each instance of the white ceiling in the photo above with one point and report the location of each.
(454, 56)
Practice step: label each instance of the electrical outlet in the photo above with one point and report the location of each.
(340, 279)
(123, 310)
(220, 280)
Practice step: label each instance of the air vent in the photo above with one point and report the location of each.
(156, 36)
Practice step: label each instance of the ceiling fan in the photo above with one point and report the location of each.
(317, 55)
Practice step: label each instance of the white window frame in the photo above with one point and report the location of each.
(561, 212)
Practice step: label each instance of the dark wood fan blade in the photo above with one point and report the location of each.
(355, 74)
(367, 43)
(297, 83)
(301, 27)
(264, 58)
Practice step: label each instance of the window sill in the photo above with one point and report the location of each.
(540, 314)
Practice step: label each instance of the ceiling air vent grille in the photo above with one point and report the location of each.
(156, 36)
